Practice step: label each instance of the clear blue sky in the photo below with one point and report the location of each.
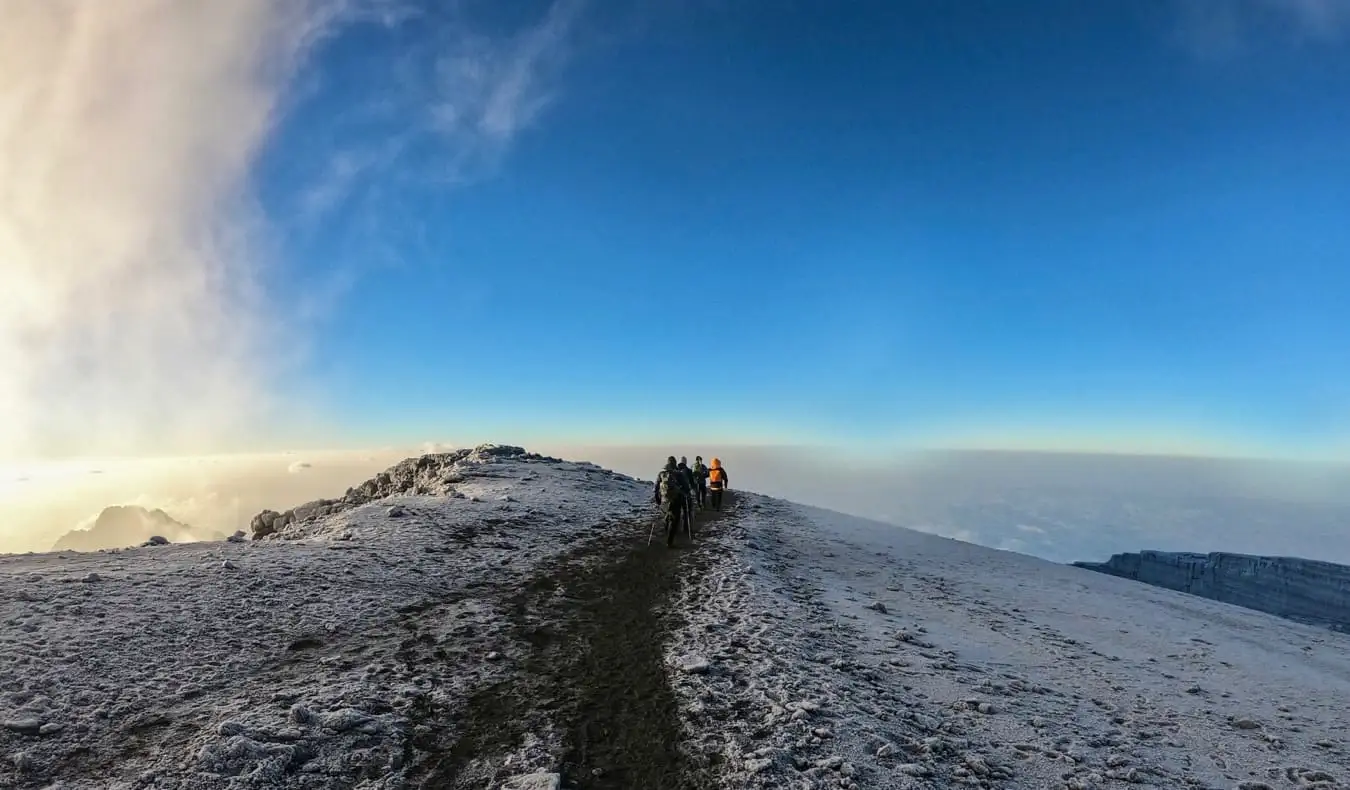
(975, 223)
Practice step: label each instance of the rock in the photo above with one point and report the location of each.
(51, 729)
(695, 665)
(89, 578)
(28, 725)
(494, 656)
(156, 540)
(886, 750)
(229, 565)
(1246, 724)
(237, 537)
(986, 708)
(396, 511)
(264, 524)
(878, 606)
(344, 720)
(538, 781)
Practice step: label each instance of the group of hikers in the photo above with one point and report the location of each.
(681, 489)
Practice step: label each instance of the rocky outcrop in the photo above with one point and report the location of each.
(1308, 591)
(434, 474)
(121, 526)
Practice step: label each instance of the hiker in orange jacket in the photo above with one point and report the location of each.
(717, 483)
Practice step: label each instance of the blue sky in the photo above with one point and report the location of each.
(1112, 225)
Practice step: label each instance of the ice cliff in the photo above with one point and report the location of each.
(1308, 591)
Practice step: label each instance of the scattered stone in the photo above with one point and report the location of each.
(494, 656)
(229, 565)
(539, 781)
(878, 606)
(237, 537)
(156, 540)
(28, 725)
(51, 728)
(1246, 724)
(89, 578)
(396, 511)
(695, 665)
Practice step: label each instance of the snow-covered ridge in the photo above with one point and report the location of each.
(433, 474)
(1305, 590)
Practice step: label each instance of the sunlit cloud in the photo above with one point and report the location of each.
(140, 311)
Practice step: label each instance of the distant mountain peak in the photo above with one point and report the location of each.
(120, 526)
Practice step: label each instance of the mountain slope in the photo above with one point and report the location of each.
(508, 627)
(988, 667)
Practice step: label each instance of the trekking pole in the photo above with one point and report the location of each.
(651, 532)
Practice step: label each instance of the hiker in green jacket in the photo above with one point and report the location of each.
(701, 480)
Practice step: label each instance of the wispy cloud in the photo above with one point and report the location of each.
(1222, 29)
(457, 99)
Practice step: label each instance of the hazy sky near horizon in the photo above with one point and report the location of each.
(271, 223)
(1059, 507)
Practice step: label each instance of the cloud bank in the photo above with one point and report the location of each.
(139, 311)
(134, 312)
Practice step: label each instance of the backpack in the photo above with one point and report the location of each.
(700, 471)
(715, 475)
(670, 487)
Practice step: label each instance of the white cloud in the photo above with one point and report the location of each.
(297, 467)
(138, 312)
(134, 311)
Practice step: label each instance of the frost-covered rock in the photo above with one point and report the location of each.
(434, 474)
(539, 781)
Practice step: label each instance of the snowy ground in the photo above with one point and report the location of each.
(838, 652)
(496, 620)
(309, 657)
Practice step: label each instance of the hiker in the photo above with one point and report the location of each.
(673, 496)
(688, 473)
(701, 479)
(717, 483)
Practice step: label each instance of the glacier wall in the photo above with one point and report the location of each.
(1308, 591)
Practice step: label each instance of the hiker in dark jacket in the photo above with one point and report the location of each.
(673, 495)
(689, 479)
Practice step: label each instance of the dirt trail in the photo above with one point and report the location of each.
(593, 626)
